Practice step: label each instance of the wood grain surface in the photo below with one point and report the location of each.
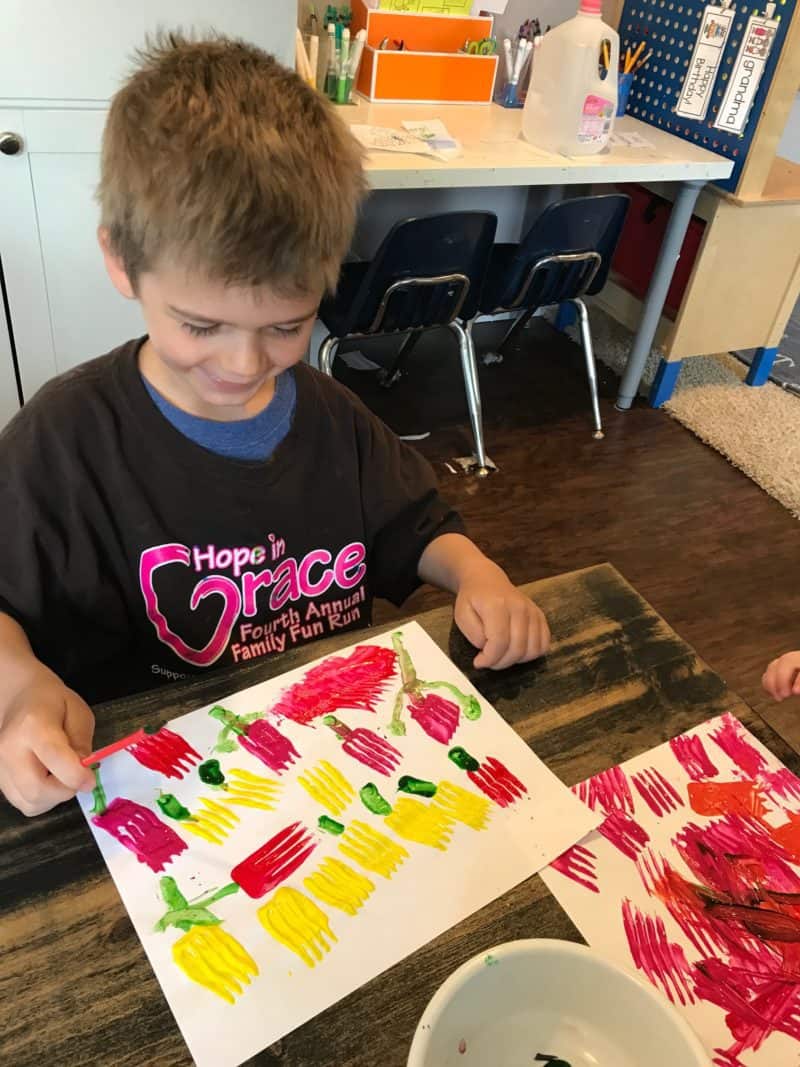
(75, 986)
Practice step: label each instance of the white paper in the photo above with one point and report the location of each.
(431, 890)
(701, 964)
(698, 85)
(629, 140)
(436, 135)
(746, 74)
(387, 139)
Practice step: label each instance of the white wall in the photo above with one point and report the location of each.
(789, 147)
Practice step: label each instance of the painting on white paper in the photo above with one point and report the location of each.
(693, 878)
(281, 848)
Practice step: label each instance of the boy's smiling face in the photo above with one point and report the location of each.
(215, 350)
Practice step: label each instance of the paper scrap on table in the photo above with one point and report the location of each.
(428, 7)
(281, 848)
(629, 139)
(693, 878)
(387, 139)
(436, 135)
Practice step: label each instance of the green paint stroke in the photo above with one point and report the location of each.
(211, 773)
(462, 759)
(183, 914)
(469, 704)
(373, 801)
(330, 826)
(417, 787)
(490, 960)
(172, 807)
(98, 793)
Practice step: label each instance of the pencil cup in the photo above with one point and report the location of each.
(623, 92)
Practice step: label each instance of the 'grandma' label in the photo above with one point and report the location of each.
(746, 74)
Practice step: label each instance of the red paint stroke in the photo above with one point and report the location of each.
(788, 836)
(275, 861)
(578, 864)
(141, 832)
(731, 738)
(366, 746)
(624, 833)
(663, 961)
(608, 790)
(437, 717)
(720, 798)
(498, 783)
(689, 751)
(356, 681)
(264, 741)
(165, 752)
(657, 792)
(742, 914)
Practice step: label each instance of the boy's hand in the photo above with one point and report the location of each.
(45, 728)
(782, 677)
(498, 619)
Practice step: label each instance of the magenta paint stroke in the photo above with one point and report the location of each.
(690, 752)
(663, 961)
(781, 785)
(141, 831)
(578, 864)
(657, 792)
(608, 791)
(624, 833)
(366, 746)
(732, 738)
(166, 753)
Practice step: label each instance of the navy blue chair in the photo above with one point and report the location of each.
(565, 255)
(427, 272)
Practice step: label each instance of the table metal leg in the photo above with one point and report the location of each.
(657, 292)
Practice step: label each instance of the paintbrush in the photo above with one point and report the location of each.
(117, 746)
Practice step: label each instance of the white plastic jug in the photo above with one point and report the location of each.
(572, 100)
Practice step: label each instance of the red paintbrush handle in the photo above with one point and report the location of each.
(117, 746)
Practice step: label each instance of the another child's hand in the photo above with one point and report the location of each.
(499, 619)
(45, 728)
(782, 677)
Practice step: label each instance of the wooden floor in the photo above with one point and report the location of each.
(716, 556)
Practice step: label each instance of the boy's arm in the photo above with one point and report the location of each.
(492, 613)
(44, 728)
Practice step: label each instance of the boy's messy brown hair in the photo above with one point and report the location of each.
(218, 159)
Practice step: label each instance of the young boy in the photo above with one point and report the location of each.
(200, 496)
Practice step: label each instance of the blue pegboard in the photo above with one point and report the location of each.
(670, 28)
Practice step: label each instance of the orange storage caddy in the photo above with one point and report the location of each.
(430, 69)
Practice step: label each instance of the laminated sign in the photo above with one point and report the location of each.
(706, 59)
(746, 74)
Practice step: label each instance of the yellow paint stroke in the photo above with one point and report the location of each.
(463, 806)
(212, 958)
(415, 820)
(328, 786)
(251, 790)
(213, 822)
(336, 884)
(371, 850)
(296, 922)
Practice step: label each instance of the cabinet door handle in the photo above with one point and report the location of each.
(10, 143)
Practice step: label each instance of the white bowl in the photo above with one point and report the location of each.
(551, 999)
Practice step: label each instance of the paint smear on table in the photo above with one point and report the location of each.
(342, 815)
(700, 862)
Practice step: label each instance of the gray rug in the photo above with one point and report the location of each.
(786, 368)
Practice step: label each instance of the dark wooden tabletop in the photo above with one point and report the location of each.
(75, 986)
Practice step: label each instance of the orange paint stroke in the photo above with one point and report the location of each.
(426, 824)
(463, 806)
(788, 836)
(722, 798)
(296, 922)
(372, 850)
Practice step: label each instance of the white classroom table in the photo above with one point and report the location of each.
(496, 155)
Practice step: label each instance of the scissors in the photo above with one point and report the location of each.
(486, 47)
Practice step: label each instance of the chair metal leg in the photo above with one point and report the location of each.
(518, 324)
(327, 353)
(469, 369)
(591, 369)
(391, 375)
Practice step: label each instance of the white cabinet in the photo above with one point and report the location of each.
(63, 308)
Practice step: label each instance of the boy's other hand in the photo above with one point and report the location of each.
(45, 729)
(500, 620)
(781, 679)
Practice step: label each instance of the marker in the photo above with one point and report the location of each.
(341, 84)
(355, 59)
(118, 746)
(509, 64)
(330, 74)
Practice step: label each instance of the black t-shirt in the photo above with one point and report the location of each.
(131, 555)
